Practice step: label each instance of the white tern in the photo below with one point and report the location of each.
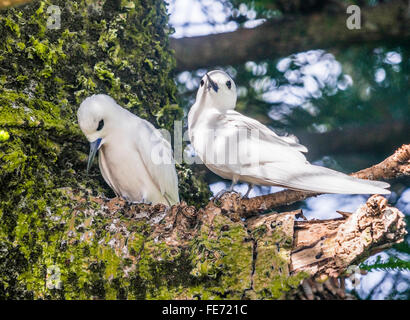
(239, 148)
(134, 158)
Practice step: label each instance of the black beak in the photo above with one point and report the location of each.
(212, 83)
(93, 151)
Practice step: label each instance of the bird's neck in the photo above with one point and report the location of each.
(200, 112)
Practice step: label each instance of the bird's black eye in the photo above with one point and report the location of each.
(229, 84)
(202, 83)
(100, 125)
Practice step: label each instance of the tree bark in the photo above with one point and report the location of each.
(331, 246)
(142, 251)
(395, 166)
(47, 67)
(59, 241)
(9, 3)
(281, 37)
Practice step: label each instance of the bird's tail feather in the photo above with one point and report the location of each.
(319, 179)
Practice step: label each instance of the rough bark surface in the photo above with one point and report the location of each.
(114, 47)
(57, 239)
(214, 252)
(329, 247)
(395, 166)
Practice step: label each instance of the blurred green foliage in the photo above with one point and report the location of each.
(373, 87)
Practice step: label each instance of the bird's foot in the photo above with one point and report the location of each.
(219, 195)
(134, 202)
(143, 201)
(246, 195)
(108, 199)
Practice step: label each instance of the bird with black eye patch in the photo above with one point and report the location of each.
(239, 148)
(134, 158)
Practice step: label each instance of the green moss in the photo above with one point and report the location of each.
(192, 188)
(222, 257)
(54, 242)
(272, 279)
(119, 48)
(4, 136)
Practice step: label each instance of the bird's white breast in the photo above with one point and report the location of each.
(210, 144)
(124, 170)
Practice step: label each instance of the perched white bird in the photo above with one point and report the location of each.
(239, 148)
(135, 160)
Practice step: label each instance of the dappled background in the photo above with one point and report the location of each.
(348, 102)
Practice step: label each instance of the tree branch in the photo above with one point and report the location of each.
(328, 247)
(277, 247)
(395, 166)
(325, 248)
(282, 37)
(260, 256)
(9, 3)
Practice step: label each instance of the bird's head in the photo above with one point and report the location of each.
(96, 116)
(218, 89)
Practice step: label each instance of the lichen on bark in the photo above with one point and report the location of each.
(115, 47)
(59, 238)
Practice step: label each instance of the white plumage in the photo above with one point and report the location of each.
(135, 160)
(240, 148)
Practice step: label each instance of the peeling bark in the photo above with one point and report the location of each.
(395, 166)
(329, 247)
(314, 240)
(276, 252)
(57, 241)
(270, 255)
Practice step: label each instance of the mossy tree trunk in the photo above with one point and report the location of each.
(53, 54)
(57, 239)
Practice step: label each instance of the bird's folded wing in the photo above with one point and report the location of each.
(156, 153)
(242, 122)
(245, 142)
(268, 159)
